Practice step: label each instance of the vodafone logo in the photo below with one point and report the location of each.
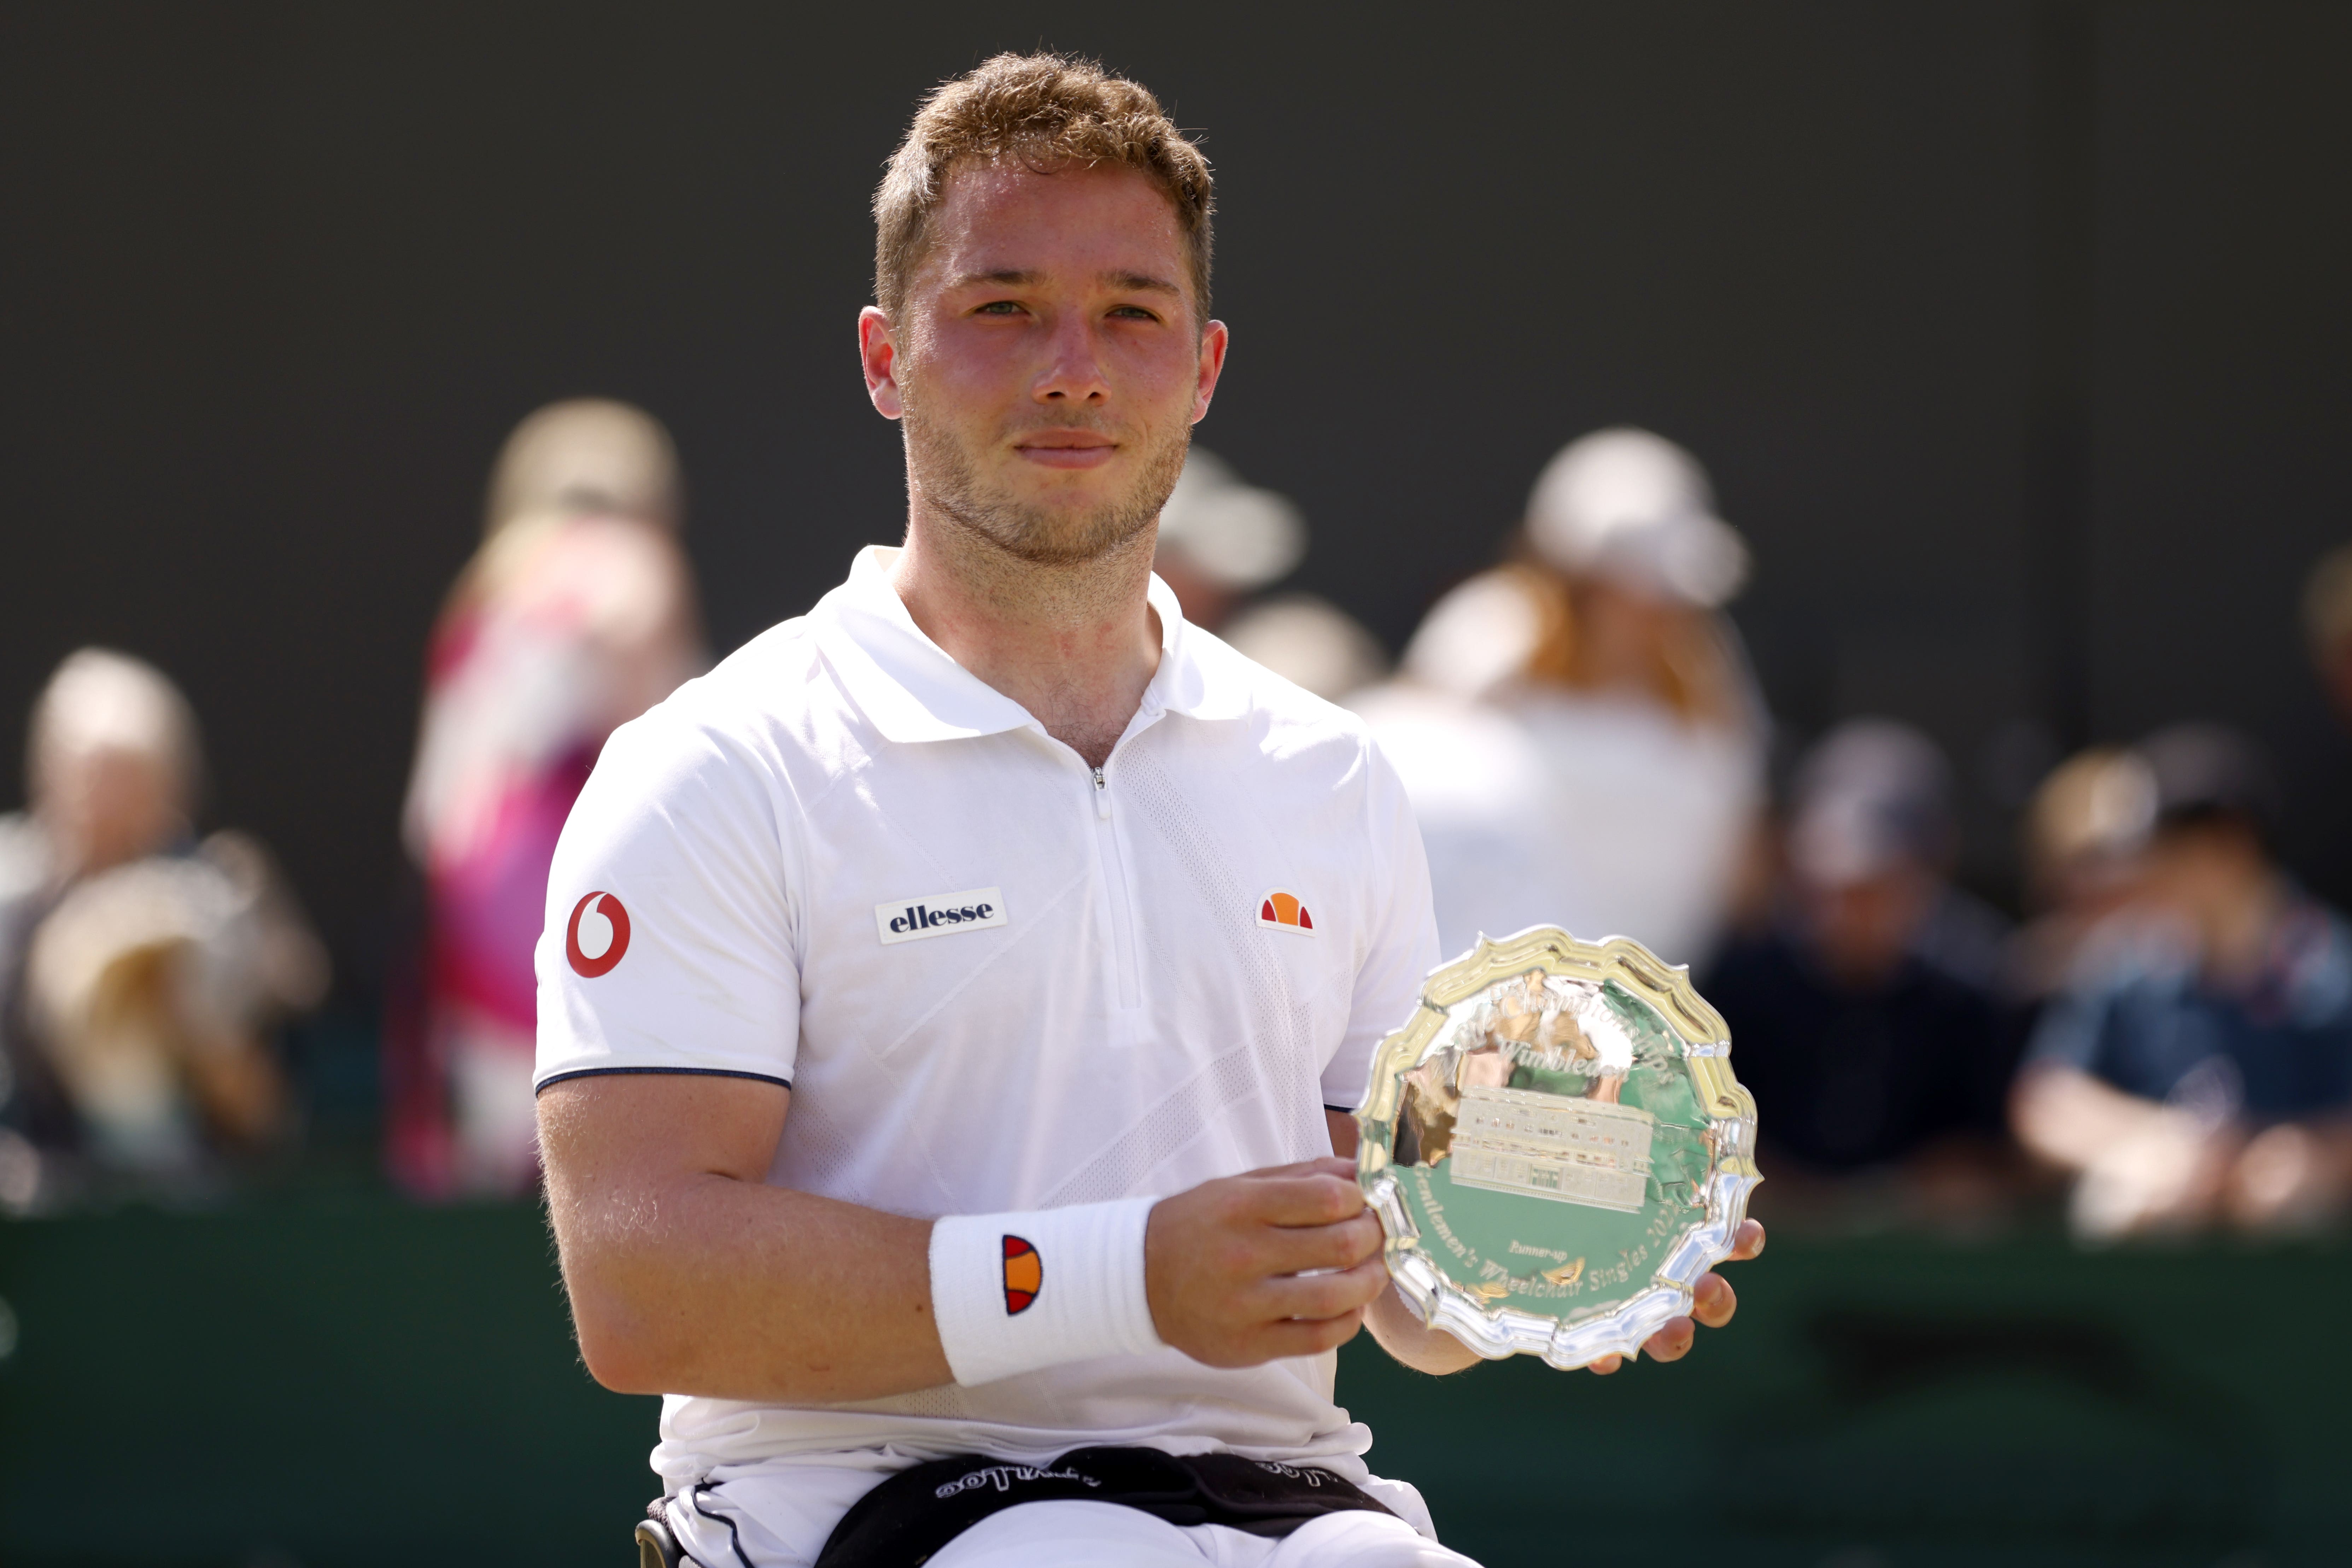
(597, 936)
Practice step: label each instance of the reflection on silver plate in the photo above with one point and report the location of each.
(1556, 1147)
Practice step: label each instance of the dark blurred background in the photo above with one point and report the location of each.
(2015, 337)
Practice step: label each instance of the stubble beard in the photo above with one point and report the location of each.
(952, 485)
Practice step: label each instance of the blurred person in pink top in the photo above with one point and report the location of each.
(576, 615)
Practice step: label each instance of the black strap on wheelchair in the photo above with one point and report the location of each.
(906, 1518)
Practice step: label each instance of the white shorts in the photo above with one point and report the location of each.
(779, 1517)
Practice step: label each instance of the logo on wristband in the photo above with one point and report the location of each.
(1023, 1273)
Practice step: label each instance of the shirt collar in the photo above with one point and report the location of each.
(913, 691)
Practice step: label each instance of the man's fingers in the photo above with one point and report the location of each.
(1318, 1198)
(1713, 1300)
(1341, 1245)
(1321, 1166)
(1672, 1342)
(1321, 1296)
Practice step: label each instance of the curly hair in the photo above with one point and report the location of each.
(1044, 111)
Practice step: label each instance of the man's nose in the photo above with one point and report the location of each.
(1075, 372)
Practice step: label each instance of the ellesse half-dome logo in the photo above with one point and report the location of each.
(597, 936)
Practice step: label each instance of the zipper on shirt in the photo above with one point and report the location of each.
(1115, 892)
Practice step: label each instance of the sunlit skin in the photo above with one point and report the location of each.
(1048, 363)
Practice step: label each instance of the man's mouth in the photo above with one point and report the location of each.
(1066, 449)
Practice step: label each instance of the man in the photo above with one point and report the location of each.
(921, 1080)
(2200, 1066)
(1868, 1012)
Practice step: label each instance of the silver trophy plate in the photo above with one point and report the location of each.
(1556, 1147)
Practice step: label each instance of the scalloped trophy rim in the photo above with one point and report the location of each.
(1497, 1332)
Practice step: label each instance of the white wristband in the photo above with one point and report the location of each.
(1014, 1292)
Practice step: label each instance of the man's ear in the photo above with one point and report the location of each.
(1214, 341)
(879, 355)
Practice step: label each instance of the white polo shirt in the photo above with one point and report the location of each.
(994, 978)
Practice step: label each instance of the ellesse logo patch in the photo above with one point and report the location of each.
(938, 914)
(1279, 911)
(1025, 1275)
(596, 936)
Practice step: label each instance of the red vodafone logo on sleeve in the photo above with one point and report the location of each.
(597, 936)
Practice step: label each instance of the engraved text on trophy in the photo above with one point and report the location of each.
(1569, 1149)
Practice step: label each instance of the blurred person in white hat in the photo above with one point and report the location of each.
(1578, 729)
(2196, 1068)
(1222, 544)
(576, 615)
(141, 972)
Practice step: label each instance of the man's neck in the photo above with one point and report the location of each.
(1074, 643)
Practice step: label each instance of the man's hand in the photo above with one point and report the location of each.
(1228, 1265)
(1713, 1302)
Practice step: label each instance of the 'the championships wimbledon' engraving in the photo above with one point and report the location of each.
(938, 914)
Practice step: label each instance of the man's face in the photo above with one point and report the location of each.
(107, 806)
(1048, 360)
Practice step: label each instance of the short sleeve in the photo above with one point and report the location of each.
(1403, 923)
(670, 940)
(2072, 1029)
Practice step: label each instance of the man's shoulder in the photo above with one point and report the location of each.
(770, 705)
(1286, 720)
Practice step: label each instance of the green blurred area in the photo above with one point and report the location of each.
(352, 1380)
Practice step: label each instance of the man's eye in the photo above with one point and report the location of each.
(999, 308)
(1134, 313)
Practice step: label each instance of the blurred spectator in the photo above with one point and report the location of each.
(2328, 620)
(1867, 1017)
(141, 972)
(2199, 1066)
(2085, 831)
(576, 615)
(1222, 541)
(1578, 730)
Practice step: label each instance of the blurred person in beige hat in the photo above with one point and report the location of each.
(1578, 729)
(141, 972)
(2086, 835)
(576, 615)
(1222, 544)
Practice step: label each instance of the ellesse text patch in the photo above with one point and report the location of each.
(938, 914)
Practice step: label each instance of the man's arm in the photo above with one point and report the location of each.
(690, 1275)
(1425, 1349)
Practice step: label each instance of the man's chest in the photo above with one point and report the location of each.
(1000, 888)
